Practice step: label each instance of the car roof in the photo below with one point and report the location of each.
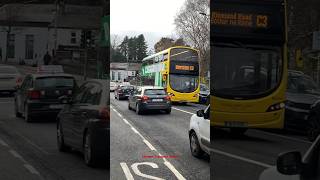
(51, 75)
(9, 66)
(151, 87)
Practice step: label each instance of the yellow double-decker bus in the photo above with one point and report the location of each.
(248, 64)
(177, 70)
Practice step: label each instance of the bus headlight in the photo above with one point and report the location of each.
(276, 107)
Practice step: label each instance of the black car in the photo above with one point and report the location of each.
(149, 98)
(302, 95)
(84, 123)
(123, 91)
(39, 95)
(292, 166)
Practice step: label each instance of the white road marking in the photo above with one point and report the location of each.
(17, 155)
(149, 145)
(33, 144)
(168, 164)
(285, 137)
(126, 171)
(134, 129)
(3, 143)
(174, 170)
(139, 173)
(242, 158)
(126, 121)
(183, 111)
(31, 169)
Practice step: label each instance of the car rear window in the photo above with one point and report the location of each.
(8, 70)
(127, 87)
(57, 82)
(154, 92)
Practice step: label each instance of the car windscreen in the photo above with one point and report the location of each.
(54, 82)
(8, 70)
(154, 92)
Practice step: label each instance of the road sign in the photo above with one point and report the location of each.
(105, 31)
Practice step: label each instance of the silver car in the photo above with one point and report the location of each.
(9, 78)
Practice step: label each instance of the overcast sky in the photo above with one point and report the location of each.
(156, 16)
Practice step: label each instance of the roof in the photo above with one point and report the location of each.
(52, 75)
(151, 87)
(125, 66)
(76, 16)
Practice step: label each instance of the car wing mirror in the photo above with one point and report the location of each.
(200, 113)
(290, 163)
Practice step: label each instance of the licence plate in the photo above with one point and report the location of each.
(235, 124)
(56, 106)
(157, 100)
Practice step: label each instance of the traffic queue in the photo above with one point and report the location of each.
(81, 112)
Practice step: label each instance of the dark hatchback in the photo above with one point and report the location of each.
(123, 91)
(149, 98)
(84, 123)
(39, 95)
(302, 94)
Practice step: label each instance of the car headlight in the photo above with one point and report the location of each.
(276, 107)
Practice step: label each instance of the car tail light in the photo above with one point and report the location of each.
(34, 94)
(104, 114)
(19, 80)
(168, 98)
(144, 98)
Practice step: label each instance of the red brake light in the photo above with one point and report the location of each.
(104, 114)
(18, 80)
(144, 98)
(34, 94)
(168, 98)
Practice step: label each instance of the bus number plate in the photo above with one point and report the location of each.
(235, 124)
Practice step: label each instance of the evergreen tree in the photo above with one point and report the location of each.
(123, 47)
(132, 49)
(141, 47)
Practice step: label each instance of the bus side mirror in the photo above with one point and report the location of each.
(290, 163)
(200, 113)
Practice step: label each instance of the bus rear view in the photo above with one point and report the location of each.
(248, 64)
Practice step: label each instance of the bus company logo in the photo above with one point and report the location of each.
(262, 21)
(185, 68)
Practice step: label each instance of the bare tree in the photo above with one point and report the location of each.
(193, 24)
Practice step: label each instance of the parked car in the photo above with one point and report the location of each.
(291, 165)
(9, 78)
(113, 86)
(199, 133)
(39, 95)
(149, 98)
(303, 95)
(204, 94)
(123, 91)
(84, 123)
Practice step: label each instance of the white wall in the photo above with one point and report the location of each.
(123, 75)
(40, 41)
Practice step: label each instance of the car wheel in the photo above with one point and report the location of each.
(27, 117)
(17, 113)
(313, 128)
(60, 140)
(129, 107)
(238, 131)
(138, 110)
(115, 96)
(168, 111)
(90, 156)
(195, 148)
